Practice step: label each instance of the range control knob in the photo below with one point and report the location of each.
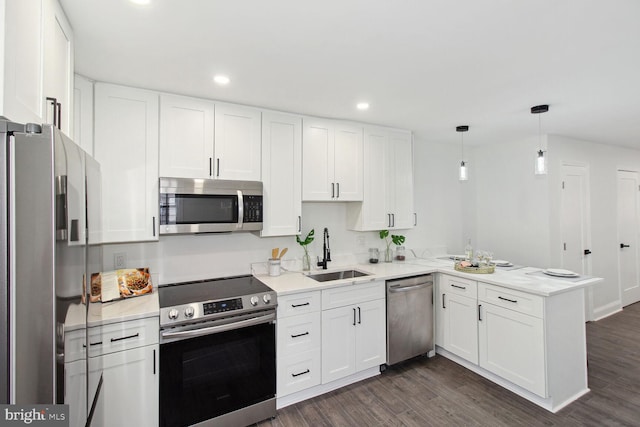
(189, 312)
(254, 300)
(173, 314)
(266, 298)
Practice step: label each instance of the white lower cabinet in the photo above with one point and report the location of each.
(512, 346)
(298, 342)
(457, 317)
(128, 359)
(354, 334)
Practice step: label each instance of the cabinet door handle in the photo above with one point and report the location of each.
(125, 338)
(55, 104)
(299, 305)
(153, 225)
(415, 219)
(218, 166)
(359, 316)
(443, 306)
(354, 317)
(154, 362)
(300, 335)
(459, 287)
(622, 246)
(337, 190)
(515, 301)
(59, 109)
(210, 166)
(300, 373)
(389, 218)
(333, 188)
(299, 224)
(480, 312)
(587, 251)
(393, 217)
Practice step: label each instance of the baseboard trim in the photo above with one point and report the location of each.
(607, 310)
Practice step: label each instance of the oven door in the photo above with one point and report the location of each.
(211, 375)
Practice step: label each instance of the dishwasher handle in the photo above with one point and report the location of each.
(397, 288)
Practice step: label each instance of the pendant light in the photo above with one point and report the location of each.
(541, 160)
(464, 172)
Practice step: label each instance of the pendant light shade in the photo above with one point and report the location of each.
(464, 172)
(540, 166)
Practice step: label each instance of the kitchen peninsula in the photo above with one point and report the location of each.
(518, 328)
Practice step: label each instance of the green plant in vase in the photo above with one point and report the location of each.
(306, 261)
(395, 239)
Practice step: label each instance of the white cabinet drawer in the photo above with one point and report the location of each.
(123, 336)
(298, 334)
(514, 300)
(352, 294)
(458, 285)
(298, 372)
(292, 305)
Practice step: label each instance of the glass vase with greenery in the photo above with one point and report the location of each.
(306, 260)
(395, 239)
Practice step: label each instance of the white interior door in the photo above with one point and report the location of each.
(628, 236)
(576, 224)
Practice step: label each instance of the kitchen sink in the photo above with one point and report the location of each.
(337, 275)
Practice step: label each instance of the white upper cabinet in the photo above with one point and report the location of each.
(83, 113)
(281, 174)
(186, 137)
(388, 182)
(202, 139)
(58, 67)
(38, 63)
(332, 164)
(237, 143)
(126, 145)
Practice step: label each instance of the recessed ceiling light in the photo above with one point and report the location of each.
(141, 2)
(362, 106)
(221, 79)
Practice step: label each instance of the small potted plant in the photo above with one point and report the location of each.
(395, 239)
(306, 261)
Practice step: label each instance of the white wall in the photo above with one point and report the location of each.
(517, 214)
(603, 162)
(190, 257)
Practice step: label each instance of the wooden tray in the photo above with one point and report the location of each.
(487, 269)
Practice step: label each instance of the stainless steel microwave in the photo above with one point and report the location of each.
(209, 205)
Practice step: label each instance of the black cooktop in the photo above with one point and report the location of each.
(210, 289)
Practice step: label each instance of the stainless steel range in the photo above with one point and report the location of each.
(217, 352)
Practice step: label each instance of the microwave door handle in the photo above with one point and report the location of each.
(240, 210)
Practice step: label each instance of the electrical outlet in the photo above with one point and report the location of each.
(120, 260)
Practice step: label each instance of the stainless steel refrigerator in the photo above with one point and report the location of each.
(49, 224)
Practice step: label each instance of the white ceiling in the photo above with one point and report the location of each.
(424, 65)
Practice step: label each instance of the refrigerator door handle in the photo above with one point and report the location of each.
(61, 207)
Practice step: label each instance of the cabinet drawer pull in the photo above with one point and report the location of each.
(515, 301)
(125, 338)
(299, 335)
(300, 373)
(95, 343)
(459, 287)
(299, 305)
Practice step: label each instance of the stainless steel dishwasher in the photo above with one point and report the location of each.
(409, 318)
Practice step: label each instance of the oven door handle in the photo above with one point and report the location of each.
(220, 328)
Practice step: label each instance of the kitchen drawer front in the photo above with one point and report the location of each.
(123, 336)
(304, 302)
(298, 372)
(521, 302)
(297, 334)
(458, 285)
(352, 294)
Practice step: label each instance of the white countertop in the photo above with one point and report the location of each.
(519, 279)
(102, 313)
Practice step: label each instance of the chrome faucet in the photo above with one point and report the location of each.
(326, 252)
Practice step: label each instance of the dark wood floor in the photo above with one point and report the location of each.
(438, 392)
